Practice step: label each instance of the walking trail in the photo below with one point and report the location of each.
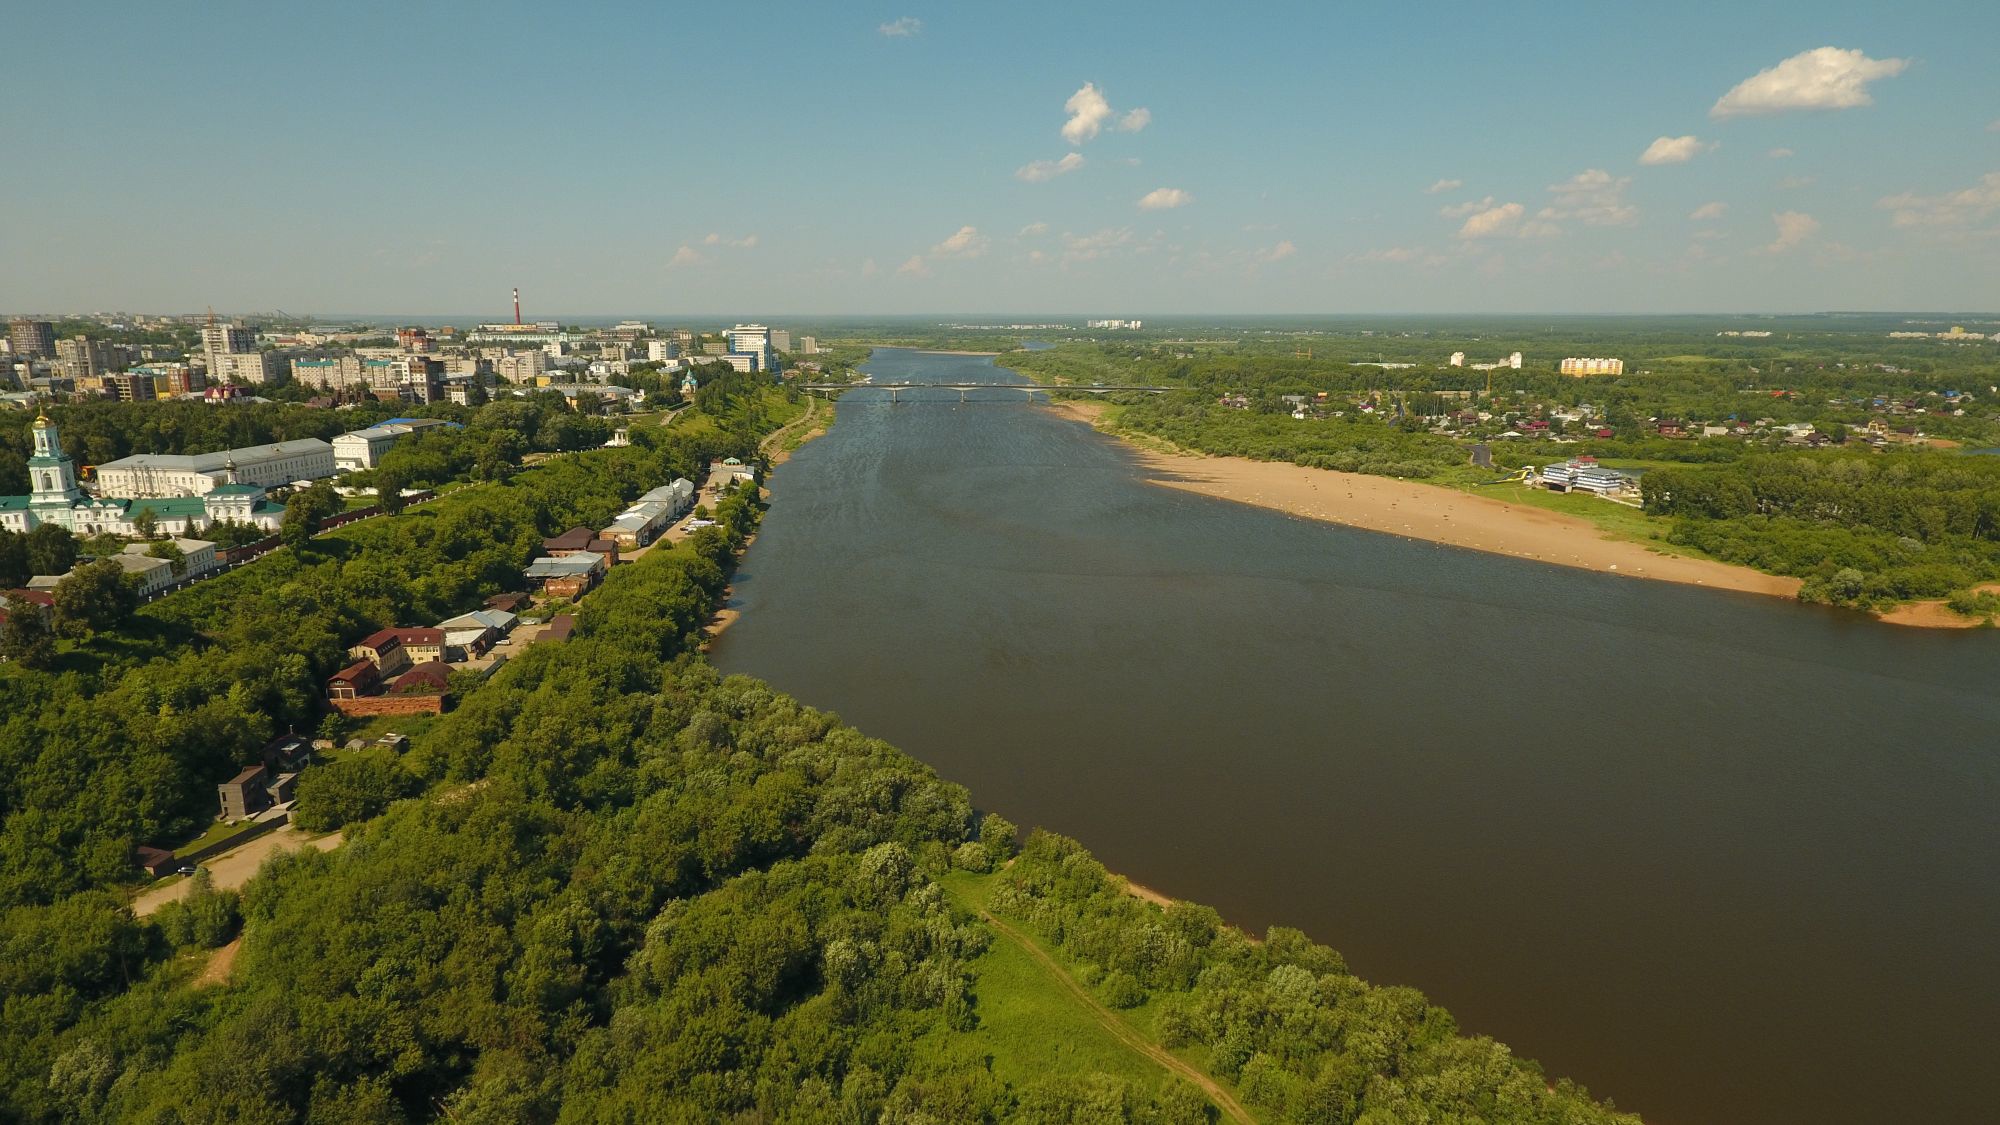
(1123, 1031)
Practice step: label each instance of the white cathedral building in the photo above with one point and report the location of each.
(55, 497)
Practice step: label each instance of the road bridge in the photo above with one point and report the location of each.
(1030, 389)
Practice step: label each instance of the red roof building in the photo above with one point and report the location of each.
(353, 681)
(429, 678)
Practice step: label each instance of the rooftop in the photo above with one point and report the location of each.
(215, 462)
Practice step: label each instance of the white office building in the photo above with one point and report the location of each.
(363, 449)
(1583, 474)
(145, 475)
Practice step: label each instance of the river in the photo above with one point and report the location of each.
(1718, 857)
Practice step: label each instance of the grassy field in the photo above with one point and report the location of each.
(1618, 521)
(217, 833)
(1028, 1026)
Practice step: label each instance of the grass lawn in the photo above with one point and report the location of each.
(1616, 520)
(1030, 1026)
(217, 832)
(379, 725)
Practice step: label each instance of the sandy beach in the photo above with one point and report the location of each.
(1437, 515)
(1445, 515)
(1461, 519)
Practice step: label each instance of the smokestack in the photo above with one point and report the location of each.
(517, 304)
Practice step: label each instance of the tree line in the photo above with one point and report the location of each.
(1861, 529)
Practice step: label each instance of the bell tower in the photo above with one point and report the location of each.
(51, 474)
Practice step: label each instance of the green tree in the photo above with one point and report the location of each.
(13, 560)
(389, 492)
(304, 512)
(145, 525)
(171, 551)
(352, 787)
(51, 550)
(95, 597)
(25, 637)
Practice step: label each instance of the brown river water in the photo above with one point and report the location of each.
(1720, 858)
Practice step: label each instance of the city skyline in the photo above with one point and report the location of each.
(922, 160)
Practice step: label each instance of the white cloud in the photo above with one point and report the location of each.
(1284, 249)
(1397, 255)
(1461, 210)
(1953, 209)
(685, 256)
(966, 242)
(869, 268)
(1823, 78)
(1492, 221)
(1033, 230)
(1136, 120)
(902, 28)
(1443, 186)
(1164, 199)
(1709, 211)
(1042, 170)
(1793, 183)
(1780, 153)
(915, 267)
(1088, 247)
(1673, 150)
(1995, 126)
(1088, 111)
(1594, 198)
(1794, 227)
(717, 239)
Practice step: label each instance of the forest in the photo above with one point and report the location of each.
(612, 884)
(1862, 529)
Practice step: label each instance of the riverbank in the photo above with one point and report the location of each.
(1436, 515)
(1457, 518)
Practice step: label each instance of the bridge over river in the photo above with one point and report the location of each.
(1030, 389)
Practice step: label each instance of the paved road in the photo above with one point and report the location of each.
(232, 869)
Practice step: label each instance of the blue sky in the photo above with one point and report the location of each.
(813, 158)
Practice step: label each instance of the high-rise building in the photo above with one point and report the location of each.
(81, 357)
(522, 366)
(242, 368)
(659, 351)
(781, 339)
(1458, 359)
(808, 345)
(1514, 361)
(131, 387)
(32, 339)
(1582, 367)
(329, 374)
(753, 340)
(218, 340)
(171, 378)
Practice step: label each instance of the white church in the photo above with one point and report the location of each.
(55, 497)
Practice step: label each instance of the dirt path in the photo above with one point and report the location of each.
(219, 965)
(1123, 1031)
(772, 447)
(233, 869)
